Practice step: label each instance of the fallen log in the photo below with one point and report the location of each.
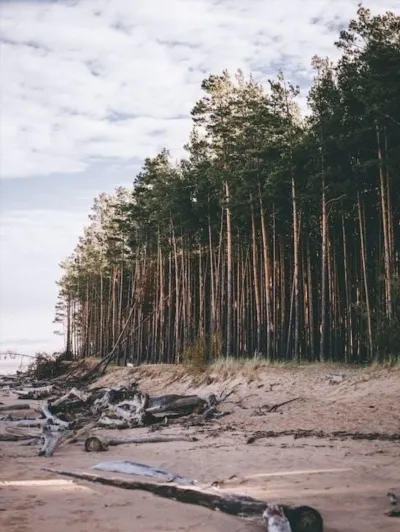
(335, 435)
(35, 393)
(302, 518)
(151, 439)
(19, 406)
(167, 403)
(25, 423)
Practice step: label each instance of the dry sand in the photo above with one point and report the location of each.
(346, 481)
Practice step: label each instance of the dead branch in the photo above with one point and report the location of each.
(274, 408)
(336, 435)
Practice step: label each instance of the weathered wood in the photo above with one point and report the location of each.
(50, 417)
(302, 519)
(229, 503)
(394, 497)
(336, 435)
(74, 392)
(335, 379)
(39, 422)
(95, 444)
(151, 439)
(84, 430)
(35, 393)
(51, 439)
(128, 467)
(18, 406)
(175, 402)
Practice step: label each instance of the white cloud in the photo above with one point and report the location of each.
(69, 69)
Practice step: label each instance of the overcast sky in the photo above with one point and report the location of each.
(91, 87)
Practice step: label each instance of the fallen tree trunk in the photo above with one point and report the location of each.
(336, 435)
(301, 519)
(19, 406)
(151, 439)
(14, 437)
(229, 503)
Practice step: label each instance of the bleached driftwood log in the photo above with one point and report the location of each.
(335, 379)
(74, 392)
(50, 417)
(173, 403)
(38, 422)
(302, 518)
(151, 439)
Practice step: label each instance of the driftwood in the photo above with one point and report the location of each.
(95, 444)
(29, 423)
(151, 439)
(173, 403)
(35, 393)
(84, 430)
(5, 436)
(394, 499)
(302, 519)
(335, 379)
(335, 435)
(51, 439)
(50, 417)
(18, 406)
(133, 468)
(82, 396)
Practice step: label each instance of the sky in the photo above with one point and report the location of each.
(92, 87)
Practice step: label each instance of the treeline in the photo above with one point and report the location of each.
(278, 234)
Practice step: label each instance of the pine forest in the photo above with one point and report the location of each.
(277, 235)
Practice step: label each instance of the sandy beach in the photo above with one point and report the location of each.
(345, 480)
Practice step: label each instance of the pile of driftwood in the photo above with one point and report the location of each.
(65, 416)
